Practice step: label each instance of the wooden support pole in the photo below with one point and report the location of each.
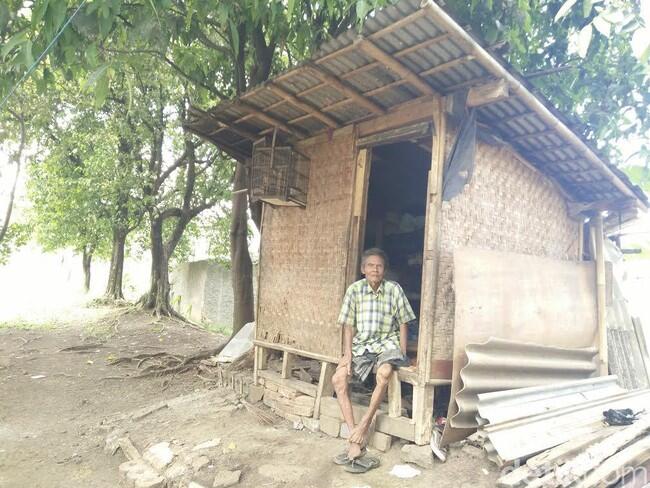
(325, 388)
(304, 106)
(601, 293)
(394, 396)
(261, 362)
(423, 404)
(287, 363)
(369, 48)
(581, 239)
(346, 89)
(430, 261)
(423, 392)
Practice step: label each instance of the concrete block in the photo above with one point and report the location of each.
(224, 479)
(255, 393)
(199, 463)
(420, 455)
(380, 441)
(313, 425)
(330, 425)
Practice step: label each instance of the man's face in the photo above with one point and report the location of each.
(373, 269)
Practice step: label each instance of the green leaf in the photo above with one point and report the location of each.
(4, 17)
(602, 25)
(14, 41)
(290, 6)
(586, 7)
(38, 11)
(363, 7)
(564, 9)
(26, 52)
(95, 77)
(584, 39)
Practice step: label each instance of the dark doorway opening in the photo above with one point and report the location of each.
(395, 217)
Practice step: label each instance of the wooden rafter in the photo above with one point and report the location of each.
(369, 48)
(445, 66)
(269, 119)
(348, 90)
(534, 135)
(237, 130)
(304, 106)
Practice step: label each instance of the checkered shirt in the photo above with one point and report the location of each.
(376, 316)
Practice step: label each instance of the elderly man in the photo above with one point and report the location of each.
(374, 316)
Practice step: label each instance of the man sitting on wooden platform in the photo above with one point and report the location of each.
(374, 316)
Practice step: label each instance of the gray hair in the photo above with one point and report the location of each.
(374, 251)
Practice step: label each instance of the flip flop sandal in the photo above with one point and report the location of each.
(361, 465)
(343, 458)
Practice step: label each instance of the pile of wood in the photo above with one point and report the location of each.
(598, 459)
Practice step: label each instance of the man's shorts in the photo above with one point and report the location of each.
(362, 365)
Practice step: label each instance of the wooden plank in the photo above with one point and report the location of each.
(304, 106)
(297, 352)
(423, 407)
(445, 66)
(358, 217)
(399, 427)
(346, 89)
(593, 456)
(431, 246)
(405, 114)
(287, 364)
(300, 386)
(601, 293)
(618, 465)
(488, 93)
(325, 388)
(369, 48)
(394, 396)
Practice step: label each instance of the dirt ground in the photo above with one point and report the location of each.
(58, 408)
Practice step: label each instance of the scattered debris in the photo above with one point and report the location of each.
(38, 376)
(419, 455)
(159, 455)
(224, 479)
(404, 471)
(438, 451)
(207, 444)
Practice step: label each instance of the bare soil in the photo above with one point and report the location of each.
(57, 409)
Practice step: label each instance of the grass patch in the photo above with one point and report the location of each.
(218, 328)
(21, 324)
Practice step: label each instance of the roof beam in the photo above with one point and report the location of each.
(304, 106)
(493, 92)
(237, 130)
(394, 65)
(269, 119)
(348, 90)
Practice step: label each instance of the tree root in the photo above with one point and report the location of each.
(164, 363)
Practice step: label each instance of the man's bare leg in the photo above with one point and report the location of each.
(340, 381)
(360, 432)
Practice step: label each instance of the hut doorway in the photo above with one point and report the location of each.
(395, 216)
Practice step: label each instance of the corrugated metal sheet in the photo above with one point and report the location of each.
(499, 364)
(523, 437)
(405, 32)
(504, 406)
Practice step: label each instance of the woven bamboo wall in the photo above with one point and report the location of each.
(507, 206)
(304, 253)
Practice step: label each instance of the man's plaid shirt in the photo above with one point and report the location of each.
(376, 316)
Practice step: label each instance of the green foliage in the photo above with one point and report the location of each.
(18, 234)
(640, 175)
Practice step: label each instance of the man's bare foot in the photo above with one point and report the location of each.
(354, 451)
(359, 433)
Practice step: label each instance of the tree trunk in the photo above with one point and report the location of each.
(157, 299)
(86, 259)
(116, 271)
(242, 266)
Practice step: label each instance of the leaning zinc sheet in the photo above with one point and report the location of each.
(499, 364)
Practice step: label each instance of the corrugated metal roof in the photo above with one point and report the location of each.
(432, 49)
(500, 364)
(523, 437)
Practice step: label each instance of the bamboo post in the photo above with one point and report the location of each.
(581, 240)
(325, 387)
(359, 207)
(601, 296)
(394, 395)
(287, 364)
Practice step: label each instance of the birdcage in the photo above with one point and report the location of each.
(279, 174)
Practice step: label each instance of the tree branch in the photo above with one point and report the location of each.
(17, 160)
